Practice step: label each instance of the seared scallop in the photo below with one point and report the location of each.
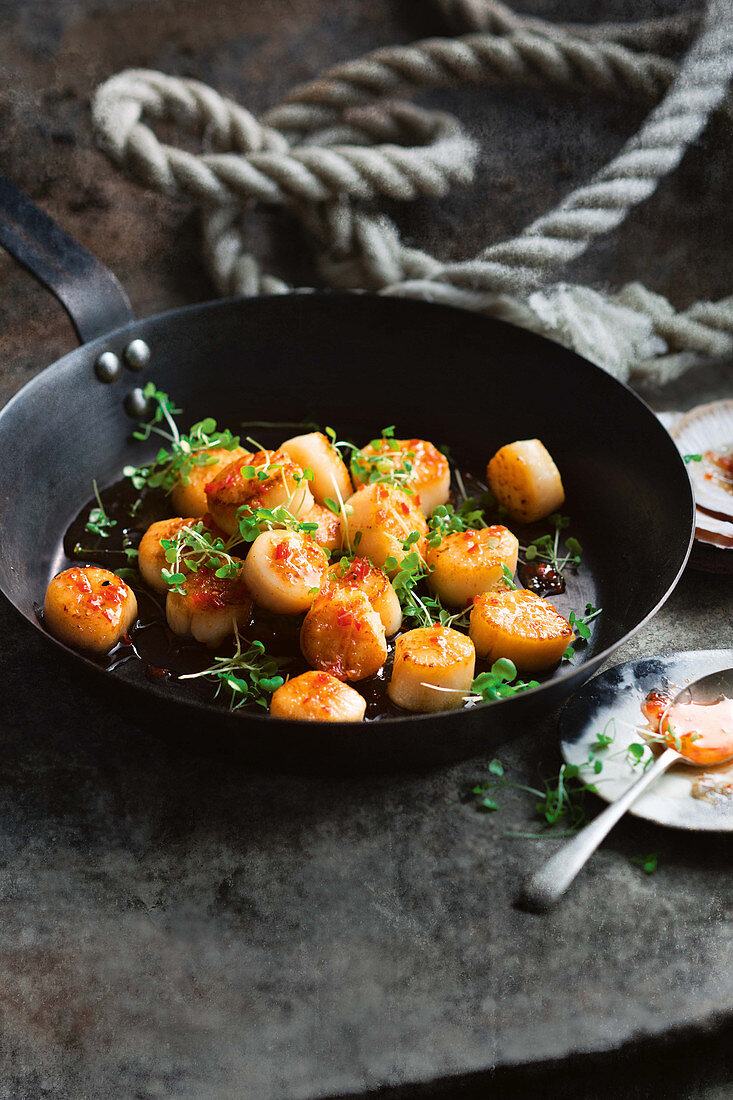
(521, 626)
(151, 559)
(433, 669)
(282, 569)
(188, 495)
(380, 520)
(209, 608)
(315, 452)
(467, 563)
(89, 608)
(425, 470)
(328, 534)
(525, 480)
(267, 479)
(317, 697)
(360, 575)
(343, 634)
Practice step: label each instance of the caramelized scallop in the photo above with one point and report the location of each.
(466, 563)
(151, 559)
(360, 575)
(328, 534)
(525, 480)
(379, 520)
(433, 669)
(521, 626)
(343, 634)
(267, 479)
(425, 469)
(188, 495)
(317, 697)
(89, 608)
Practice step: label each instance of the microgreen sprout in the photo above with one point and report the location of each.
(560, 802)
(252, 521)
(580, 623)
(388, 465)
(604, 738)
(99, 522)
(447, 520)
(192, 548)
(648, 863)
(500, 682)
(547, 547)
(418, 610)
(250, 675)
(507, 577)
(185, 452)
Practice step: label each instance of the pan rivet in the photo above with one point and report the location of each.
(107, 367)
(137, 354)
(136, 403)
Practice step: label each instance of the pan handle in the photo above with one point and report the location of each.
(90, 294)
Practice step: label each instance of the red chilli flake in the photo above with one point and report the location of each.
(345, 618)
(358, 570)
(283, 551)
(111, 594)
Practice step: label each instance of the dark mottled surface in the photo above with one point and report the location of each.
(174, 927)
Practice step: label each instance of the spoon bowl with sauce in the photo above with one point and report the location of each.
(696, 728)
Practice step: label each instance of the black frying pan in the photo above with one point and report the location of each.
(358, 362)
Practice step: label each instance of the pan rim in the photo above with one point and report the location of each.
(583, 672)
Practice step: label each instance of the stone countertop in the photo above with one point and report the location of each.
(174, 927)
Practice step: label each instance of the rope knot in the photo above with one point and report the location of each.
(336, 147)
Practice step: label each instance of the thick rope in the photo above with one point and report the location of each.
(336, 146)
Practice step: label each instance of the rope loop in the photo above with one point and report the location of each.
(336, 147)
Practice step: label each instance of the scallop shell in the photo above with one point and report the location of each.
(714, 531)
(708, 428)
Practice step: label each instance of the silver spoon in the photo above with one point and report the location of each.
(544, 887)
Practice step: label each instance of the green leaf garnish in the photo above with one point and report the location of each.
(99, 522)
(580, 624)
(648, 863)
(185, 451)
(250, 675)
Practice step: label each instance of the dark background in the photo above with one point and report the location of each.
(173, 926)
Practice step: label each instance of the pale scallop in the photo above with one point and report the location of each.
(317, 697)
(466, 563)
(188, 496)
(151, 559)
(89, 608)
(380, 520)
(429, 476)
(433, 669)
(315, 452)
(282, 569)
(343, 634)
(708, 428)
(210, 608)
(284, 486)
(525, 480)
(362, 576)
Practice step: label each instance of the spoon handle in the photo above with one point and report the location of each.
(542, 889)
